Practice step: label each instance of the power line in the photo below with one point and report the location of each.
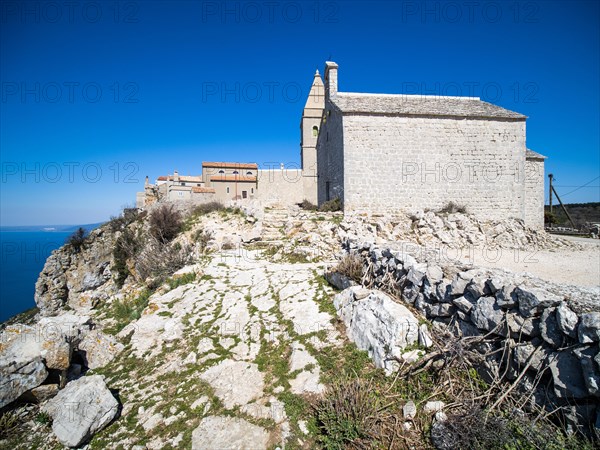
(580, 187)
(573, 185)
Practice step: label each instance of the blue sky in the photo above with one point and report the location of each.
(96, 95)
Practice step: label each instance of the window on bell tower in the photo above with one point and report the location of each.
(315, 131)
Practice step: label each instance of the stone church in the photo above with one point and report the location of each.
(382, 153)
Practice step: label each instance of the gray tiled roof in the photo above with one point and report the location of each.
(420, 105)
(534, 155)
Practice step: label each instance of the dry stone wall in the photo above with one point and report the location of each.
(552, 332)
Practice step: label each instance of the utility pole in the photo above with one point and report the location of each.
(550, 191)
(550, 176)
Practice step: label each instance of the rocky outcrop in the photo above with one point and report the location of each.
(552, 331)
(78, 279)
(81, 409)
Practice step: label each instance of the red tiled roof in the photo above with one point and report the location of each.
(230, 165)
(203, 190)
(241, 178)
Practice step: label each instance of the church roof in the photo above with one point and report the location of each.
(420, 105)
(530, 154)
(230, 165)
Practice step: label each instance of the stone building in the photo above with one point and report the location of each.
(231, 181)
(383, 153)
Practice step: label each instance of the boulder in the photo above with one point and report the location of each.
(532, 301)
(219, 432)
(589, 328)
(486, 314)
(81, 409)
(566, 374)
(21, 364)
(377, 324)
(464, 303)
(525, 353)
(339, 280)
(591, 374)
(549, 328)
(506, 297)
(98, 349)
(567, 320)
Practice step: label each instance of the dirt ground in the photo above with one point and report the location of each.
(562, 266)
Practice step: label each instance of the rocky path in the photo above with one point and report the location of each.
(216, 362)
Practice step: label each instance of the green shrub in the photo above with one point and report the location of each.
(165, 223)
(451, 208)
(201, 238)
(77, 240)
(350, 415)
(126, 247)
(8, 422)
(331, 205)
(351, 266)
(308, 206)
(128, 310)
(207, 208)
(180, 281)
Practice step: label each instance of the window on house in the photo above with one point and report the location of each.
(183, 183)
(252, 191)
(315, 131)
(244, 194)
(221, 171)
(248, 173)
(228, 190)
(235, 172)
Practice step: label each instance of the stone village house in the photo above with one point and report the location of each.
(381, 153)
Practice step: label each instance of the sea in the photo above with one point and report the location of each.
(23, 252)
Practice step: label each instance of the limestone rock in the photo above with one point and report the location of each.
(589, 328)
(549, 328)
(567, 320)
(432, 407)
(409, 410)
(21, 364)
(532, 301)
(424, 336)
(506, 296)
(486, 314)
(591, 374)
(98, 349)
(377, 324)
(464, 303)
(566, 373)
(218, 432)
(528, 352)
(235, 382)
(81, 409)
(338, 280)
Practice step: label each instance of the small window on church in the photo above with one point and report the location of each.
(235, 172)
(228, 190)
(252, 190)
(315, 131)
(248, 173)
(221, 171)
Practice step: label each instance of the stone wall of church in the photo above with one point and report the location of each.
(393, 163)
(330, 158)
(534, 193)
(280, 187)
